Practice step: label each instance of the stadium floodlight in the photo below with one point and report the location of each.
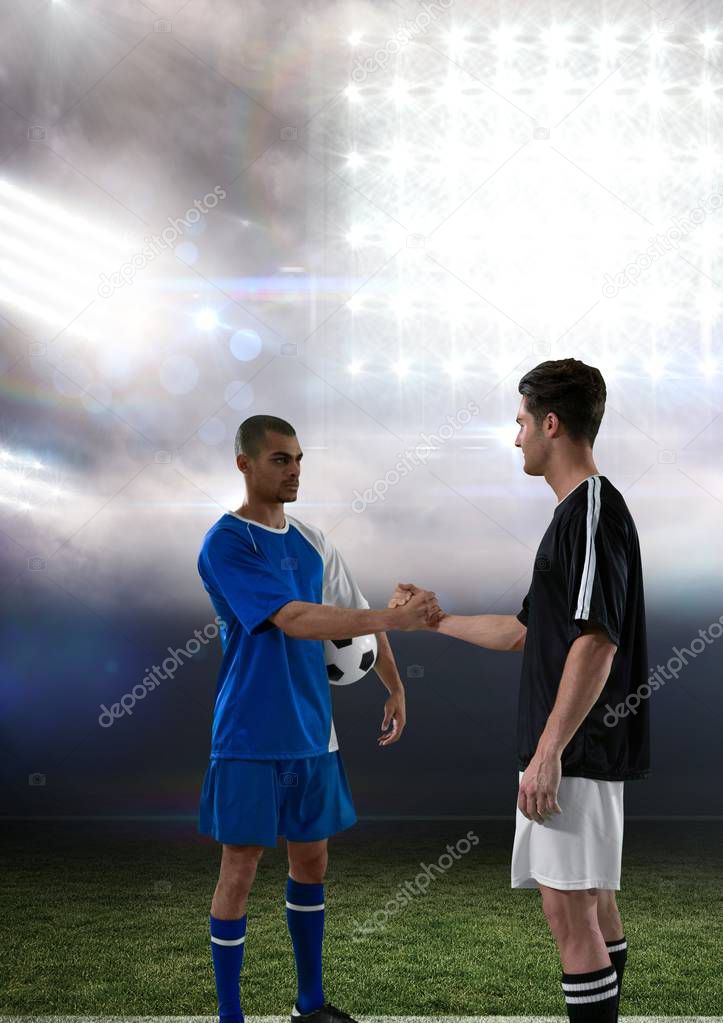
(401, 368)
(206, 319)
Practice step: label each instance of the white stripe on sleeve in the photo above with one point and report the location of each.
(588, 572)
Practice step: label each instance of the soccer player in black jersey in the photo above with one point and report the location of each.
(582, 632)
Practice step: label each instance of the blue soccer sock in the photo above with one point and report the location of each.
(227, 952)
(305, 918)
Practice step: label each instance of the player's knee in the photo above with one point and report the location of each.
(558, 920)
(569, 914)
(309, 869)
(607, 908)
(238, 867)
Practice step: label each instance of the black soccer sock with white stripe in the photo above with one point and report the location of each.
(618, 952)
(591, 997)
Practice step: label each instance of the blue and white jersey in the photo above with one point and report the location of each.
(272, 694)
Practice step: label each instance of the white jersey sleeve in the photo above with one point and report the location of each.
(339, 586)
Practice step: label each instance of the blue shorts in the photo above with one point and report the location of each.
(251, 802)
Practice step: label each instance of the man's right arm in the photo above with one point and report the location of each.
(304, 620)
(496, 632)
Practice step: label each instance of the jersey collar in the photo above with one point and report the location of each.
(595, 476)
(260, 525)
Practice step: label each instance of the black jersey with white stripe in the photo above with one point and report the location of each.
(588, 571)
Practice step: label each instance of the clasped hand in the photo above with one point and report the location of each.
(424, 610)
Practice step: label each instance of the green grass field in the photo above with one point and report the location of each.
(112, 919)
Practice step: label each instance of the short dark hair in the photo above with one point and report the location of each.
(573, 391)
(250, 434)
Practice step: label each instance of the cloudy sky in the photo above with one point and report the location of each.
(361, 217)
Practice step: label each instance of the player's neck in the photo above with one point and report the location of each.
(264, 512)
(565, 477)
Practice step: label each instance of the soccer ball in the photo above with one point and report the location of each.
(348, 660)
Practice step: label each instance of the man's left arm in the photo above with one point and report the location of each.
(586, 670)
(340, 588)
(395, 713)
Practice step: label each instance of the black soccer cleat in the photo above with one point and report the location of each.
(327, 1013)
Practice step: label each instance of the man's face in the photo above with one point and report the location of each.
(531, 439)
(273, 475)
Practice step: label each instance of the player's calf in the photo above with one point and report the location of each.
(589, 979)
(228, 925)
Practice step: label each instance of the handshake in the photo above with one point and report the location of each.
(418, 608)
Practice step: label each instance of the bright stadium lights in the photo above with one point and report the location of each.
(401, 368)
(708, 367)
(206, 319)
(399, 158)
(51, 258)
(658, 39)
(556, 39)
(402, 305)
(20, 485)
(399, 91)
(505, 38)
(608, 39)
(17, 198)
(708, 38)
(706, 92)
(656, 368)
(354, 160)
(355, 235)
(455, 39)
(706, 157)
(454, 369)
(654, 91)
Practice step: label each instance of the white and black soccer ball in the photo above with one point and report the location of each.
(348, 660)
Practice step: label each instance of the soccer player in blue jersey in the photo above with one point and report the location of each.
(280, 587)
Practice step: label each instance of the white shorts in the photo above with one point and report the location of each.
(580, 848)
